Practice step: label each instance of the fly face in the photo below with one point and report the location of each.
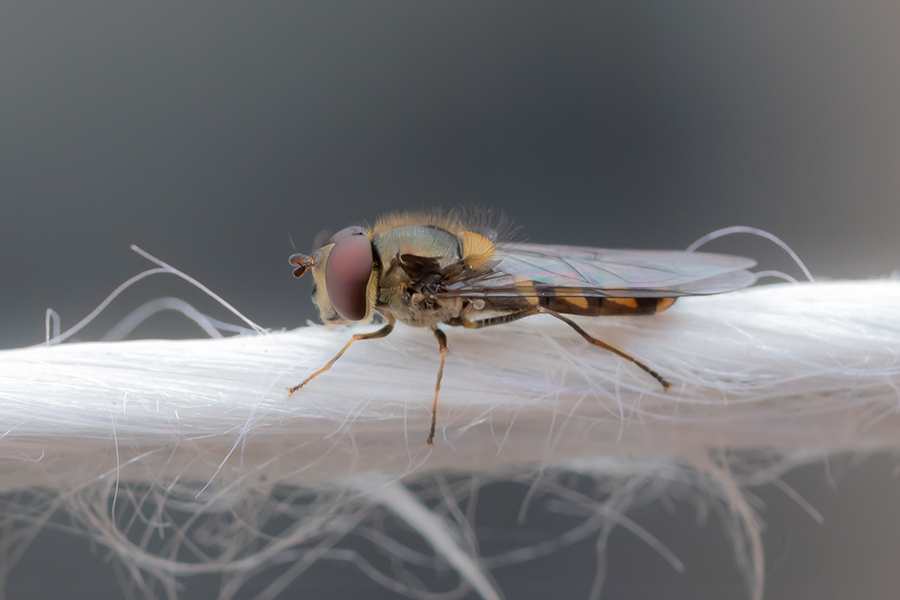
(345, 276)
(427, 270)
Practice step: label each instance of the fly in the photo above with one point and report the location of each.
(427, 270)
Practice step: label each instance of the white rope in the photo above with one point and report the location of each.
(791, 369)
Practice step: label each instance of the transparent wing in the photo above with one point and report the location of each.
(541, 270)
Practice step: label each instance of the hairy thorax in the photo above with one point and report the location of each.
(416, 262)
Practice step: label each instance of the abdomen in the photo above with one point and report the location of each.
(595, 307)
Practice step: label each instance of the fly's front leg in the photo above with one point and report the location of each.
(601, 344)
(442, 340)
(358, 336)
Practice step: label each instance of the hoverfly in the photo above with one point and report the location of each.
(426, 270)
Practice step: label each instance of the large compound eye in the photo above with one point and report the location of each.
(347, 273)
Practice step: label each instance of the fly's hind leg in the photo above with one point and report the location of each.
(358, 336)
(601, 344)
(442, 340)
(534, 310)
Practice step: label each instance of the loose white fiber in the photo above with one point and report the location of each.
(199, 440)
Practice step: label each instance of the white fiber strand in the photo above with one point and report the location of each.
(170, 269)
(145, 311)
(406, 506)
(726, 231)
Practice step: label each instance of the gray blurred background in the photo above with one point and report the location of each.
(213, 134)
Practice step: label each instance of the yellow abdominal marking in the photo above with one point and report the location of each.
(664, 303)
(527, 288)
(579, 301)
(629, 302)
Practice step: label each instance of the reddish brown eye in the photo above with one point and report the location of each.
(347, 274)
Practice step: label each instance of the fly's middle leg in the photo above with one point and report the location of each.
(356, 337)
(442, 340)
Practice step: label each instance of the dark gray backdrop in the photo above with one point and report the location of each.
(211, 134)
